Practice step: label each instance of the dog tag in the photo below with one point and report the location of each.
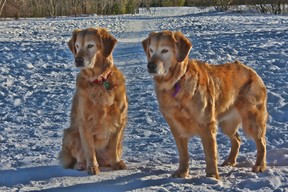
(106, 85)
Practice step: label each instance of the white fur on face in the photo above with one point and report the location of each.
(164, 57)
(87, 50)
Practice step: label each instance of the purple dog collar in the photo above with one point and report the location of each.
(176, 89)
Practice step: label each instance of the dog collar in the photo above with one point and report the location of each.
(104, 83)
(176, 89)
(177, 85)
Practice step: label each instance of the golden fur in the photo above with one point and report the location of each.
(98, 114)
(227, 95)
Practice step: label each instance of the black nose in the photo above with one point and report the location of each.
(79, 61)
(152, 67)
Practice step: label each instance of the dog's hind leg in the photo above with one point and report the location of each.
(66, 159)
(66, 156)
(252, 107)
(260, 164)
(255, 126)
(235, 146)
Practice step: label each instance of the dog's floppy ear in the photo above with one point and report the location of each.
(146, 42)
(108, 42)
(183, 46)
(71, 42)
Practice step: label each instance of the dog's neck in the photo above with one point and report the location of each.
(101, 64)
(168, 81)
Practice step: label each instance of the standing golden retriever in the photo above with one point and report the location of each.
(99, 108)
(194, 97)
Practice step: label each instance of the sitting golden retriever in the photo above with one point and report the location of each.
(194, 97)
(99, 108)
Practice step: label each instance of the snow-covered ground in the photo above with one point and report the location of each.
(37, 82)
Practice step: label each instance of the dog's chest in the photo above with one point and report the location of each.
(99, 95)
(104, 121)
(179, 113)
(103, 114)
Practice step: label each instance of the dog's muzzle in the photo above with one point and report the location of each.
(79, 62)
(152, 67)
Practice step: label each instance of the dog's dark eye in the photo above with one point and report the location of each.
(164, 51)
(151, 51)
(90, 46)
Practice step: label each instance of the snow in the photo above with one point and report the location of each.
(37, 83)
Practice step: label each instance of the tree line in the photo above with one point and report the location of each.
(263, 6)
(53, 8)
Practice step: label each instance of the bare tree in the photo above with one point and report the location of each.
(74, 4)
(278, 6)
(102, 6)
(15, 8)
(52, 8)
(2, 4)
(222, 5)
(147, 4)
(270, 6)
(84, 5)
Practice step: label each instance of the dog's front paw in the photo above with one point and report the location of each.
(119, 165)
(181, 173)
(93, 170)
(215, 175)
(259, 168)
(228, 163)
(80, 166)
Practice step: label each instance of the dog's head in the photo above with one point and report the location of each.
(87, 43)
(165, 49)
